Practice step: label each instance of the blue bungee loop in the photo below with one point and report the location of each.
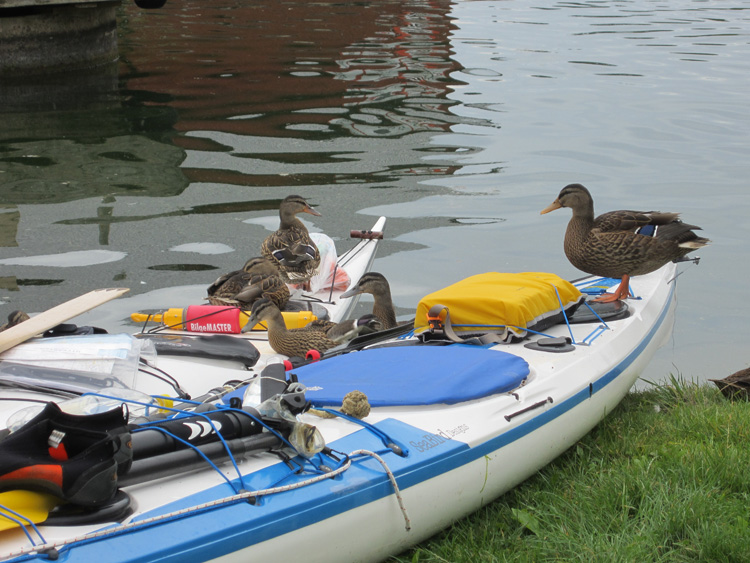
(598, 331)
(565, 316)
(22, 522)
(388, 442)
(593, 335)
(596, 314)
(200, 453)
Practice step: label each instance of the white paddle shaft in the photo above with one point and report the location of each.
(59, 314)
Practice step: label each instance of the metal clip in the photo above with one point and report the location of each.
(56, 438)
(433, 318)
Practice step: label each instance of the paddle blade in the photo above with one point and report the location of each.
(29, 505)
(53, 317)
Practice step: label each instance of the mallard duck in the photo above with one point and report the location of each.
(735, 386)
(376, 284)
(259, 277)
(290, 342)
(291, 246)
(621, 244)
(348, 329)
(14, 318)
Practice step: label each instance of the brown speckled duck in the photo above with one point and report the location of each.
(735, 386)
(376, 284)
(290, 342)
(14, 318)
(259, 277)
(621, 244)
(291, 246)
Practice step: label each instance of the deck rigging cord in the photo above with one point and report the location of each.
(22, 521)
(444, 327)
(162, 375)
(388, 442)
(54, 549)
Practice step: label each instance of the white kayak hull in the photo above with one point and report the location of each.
(460, 457)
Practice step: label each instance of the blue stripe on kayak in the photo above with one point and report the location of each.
(210, 534)
(231, 528)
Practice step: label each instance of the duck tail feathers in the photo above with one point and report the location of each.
(695, 244)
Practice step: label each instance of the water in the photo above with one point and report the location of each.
(458, 121)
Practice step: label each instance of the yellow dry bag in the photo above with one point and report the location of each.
(497, 301)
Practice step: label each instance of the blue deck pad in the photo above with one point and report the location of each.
(599, 286)
(413, 375)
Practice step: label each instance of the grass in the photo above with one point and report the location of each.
(664, 478)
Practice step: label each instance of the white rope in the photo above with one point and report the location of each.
(392, 477)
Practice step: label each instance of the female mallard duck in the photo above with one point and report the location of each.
(735, 386)
(347, 330)
(15, 318)
(259, 277)
(621, 244)
(377, 285)
(290, 342)
(291, 246)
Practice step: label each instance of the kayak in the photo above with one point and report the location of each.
(356, 457)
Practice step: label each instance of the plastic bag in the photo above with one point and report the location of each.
(328, 275)
(109, 356)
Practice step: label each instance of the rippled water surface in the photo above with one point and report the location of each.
(459, 121)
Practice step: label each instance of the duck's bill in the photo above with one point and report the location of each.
(251, 322)
(554, 205)
(351, 292)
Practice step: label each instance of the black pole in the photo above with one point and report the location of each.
(185, 460)
(195, 430)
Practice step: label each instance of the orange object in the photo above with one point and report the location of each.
(42, 472)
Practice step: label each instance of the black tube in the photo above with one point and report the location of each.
(185, 460)
(194, 429)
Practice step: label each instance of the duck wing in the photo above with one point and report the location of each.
(632, 221)
(295, 252)
(265, 285)
(298, 341)
(295, 255)
(228, 284)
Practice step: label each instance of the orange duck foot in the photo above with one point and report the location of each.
(622, 292)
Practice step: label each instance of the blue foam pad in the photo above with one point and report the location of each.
(413, 375)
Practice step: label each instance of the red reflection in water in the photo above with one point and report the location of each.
(294, 68)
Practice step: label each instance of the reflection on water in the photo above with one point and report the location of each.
(182, 267)
(215, 99)
(459, 121)
(82, 89)
(267, 70)
(105, 218)
(63, 169)
(74, 259)
(294, 95)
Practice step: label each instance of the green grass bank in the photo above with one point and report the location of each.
(664, 478)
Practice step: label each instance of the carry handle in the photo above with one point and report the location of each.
(369, 235)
